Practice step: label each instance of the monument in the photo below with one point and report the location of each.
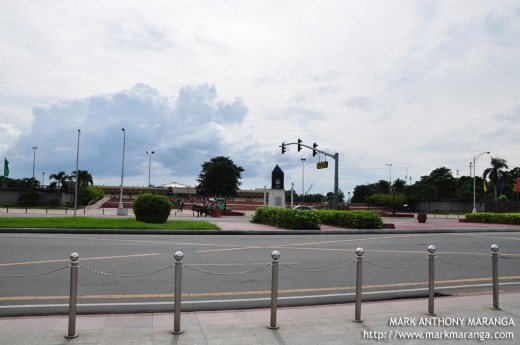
(277, 191)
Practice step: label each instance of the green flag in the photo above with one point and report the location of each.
(6, 167)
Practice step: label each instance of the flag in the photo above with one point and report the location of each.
(517, 186)
(6, 167)
(502, 186)
(468, 186)
(485, 187)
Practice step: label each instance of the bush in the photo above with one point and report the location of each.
(351, 219)
(386, 200)
(152, 208)
(92, 194)
(287, 218)
(310, 220)
(497, 218)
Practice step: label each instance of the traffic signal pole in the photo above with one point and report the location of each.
(334, 156)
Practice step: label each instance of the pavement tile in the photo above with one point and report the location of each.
(20, 337)
(219, 318)
(129, 321)
(125, 337)
(83, 322)
(226, 330)
(25, 324)
(188, 332)
(84, 337)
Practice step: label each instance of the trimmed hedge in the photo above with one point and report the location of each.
(152, 208)
(351, 219)
(310, 220)
(497, 218)
(287, 218)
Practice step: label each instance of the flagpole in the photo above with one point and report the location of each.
(474, 180)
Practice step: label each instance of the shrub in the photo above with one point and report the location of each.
(503, 197)
(351, 219)
(92, 194)
(287, 218)
(497, 218)
(310, 220)
(152, 208)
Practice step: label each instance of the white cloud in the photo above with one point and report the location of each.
(416, 84)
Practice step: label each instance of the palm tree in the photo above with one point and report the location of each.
(61, 178)
(495, 174)
(84, 179)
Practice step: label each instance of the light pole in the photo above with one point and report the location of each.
(43, 179)
(303, 177)
(121, 211)
(391, 189)
(77, 177)
(149, 165)
(34, 157)
(474, 179)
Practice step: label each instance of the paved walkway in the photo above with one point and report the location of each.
(458, 320)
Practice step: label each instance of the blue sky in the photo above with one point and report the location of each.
(415, 84)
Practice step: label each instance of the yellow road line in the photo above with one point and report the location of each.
(258, 292)
(82, 259)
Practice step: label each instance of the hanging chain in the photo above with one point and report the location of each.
(126, 275)
(459, 264)
(33, 274)
(226, 274)
(397, 268)
(317, 271)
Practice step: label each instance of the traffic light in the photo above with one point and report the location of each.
(314, 152)
(283, 148)
(299, 146)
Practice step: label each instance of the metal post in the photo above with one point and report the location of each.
(275, 255)
(359, 283)
(177, 299)
(431, 279)
(494, 263)
(74, 263)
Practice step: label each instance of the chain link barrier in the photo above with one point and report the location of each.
(459, 264)
(399, 267)
(509, 257)
(126, 275)
(33, 274)
(318, 271)
(227, 273)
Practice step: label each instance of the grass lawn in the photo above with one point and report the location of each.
(100, 223)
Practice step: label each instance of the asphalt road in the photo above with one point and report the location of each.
(314, 269)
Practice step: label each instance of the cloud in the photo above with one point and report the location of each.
(183, 132)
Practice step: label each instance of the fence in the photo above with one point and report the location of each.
(275, 265)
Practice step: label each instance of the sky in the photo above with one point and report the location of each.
(396, 88)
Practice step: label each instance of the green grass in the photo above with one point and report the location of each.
(100, 223)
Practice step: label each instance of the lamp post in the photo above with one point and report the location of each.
(43, 179)
(474, 179)
(77, 177)
(303, 178)
(34, 157)
(121, 211)
(391, 189)
(149, 165)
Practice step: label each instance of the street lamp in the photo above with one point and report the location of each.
(149, 165)
(303, 177)
(77, 176)
(474, 178)
(391, 189)
(34, 157)
(121, 211)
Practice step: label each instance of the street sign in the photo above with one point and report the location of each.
(322, 165)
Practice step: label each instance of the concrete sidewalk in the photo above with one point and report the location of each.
(458, 320)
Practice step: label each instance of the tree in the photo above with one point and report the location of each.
(219, 177)
(495, 174)
(84, 179)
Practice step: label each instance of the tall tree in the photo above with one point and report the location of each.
(219, 177)
(84, 179)
(495, 174)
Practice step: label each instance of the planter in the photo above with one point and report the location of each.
(421, 217)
